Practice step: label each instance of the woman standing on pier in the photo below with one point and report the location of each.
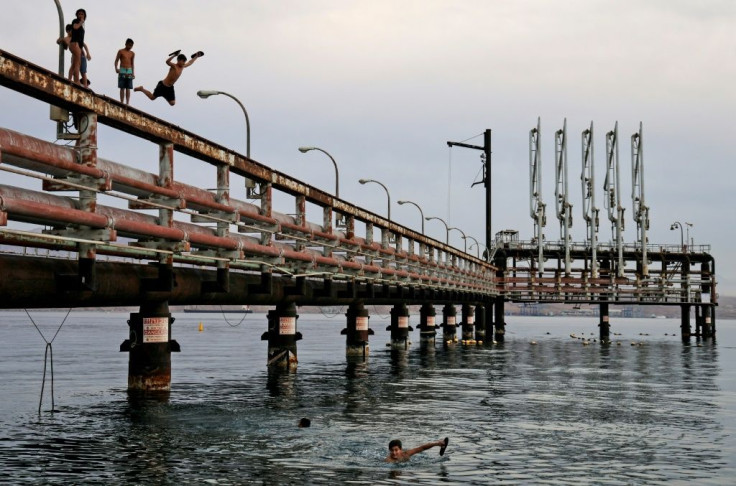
(77, 44)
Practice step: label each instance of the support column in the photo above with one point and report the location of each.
(709, 329)
(427, 328)
(480, 326)
(468, 324)
(698, 322)
(399, 326)
(282, 337)
(489, 321)
(500, 323)
(685, 329)
(150, 346)
(449, 324)
(604, 323)
(357, 331)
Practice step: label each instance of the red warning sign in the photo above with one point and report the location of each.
(287, 326)
(155, 329)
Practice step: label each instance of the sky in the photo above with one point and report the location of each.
(382, 85)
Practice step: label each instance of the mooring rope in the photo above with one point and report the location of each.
(331, 315)
(378, 313)
(245, 314)
(48, 353)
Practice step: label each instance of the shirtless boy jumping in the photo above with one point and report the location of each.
(165, 87)
(126, 71)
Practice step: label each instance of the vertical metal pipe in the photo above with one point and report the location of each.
(150, 346)
(449, 324)
(357, 331)
(487, 183)
(468, 322)
(427, 328)
(282, 337)
(480, 323)
(399, 326)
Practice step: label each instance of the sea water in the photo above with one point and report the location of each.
(541, 408)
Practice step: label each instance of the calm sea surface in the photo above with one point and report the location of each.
(555, 412)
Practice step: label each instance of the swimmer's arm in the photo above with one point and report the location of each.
(424, 447)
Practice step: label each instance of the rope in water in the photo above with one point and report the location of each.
(48, 353)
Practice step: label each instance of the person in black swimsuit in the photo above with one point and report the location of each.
(165, 87)
(76, 44)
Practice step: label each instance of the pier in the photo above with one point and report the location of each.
(101, 233)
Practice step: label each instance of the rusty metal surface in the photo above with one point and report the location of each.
(28, 78)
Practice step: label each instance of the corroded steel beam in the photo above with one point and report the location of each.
(122, 284)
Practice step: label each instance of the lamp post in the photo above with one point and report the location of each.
(204, 94)
(365, 181)
(687, 234)
(62, 33)
(477, 245)
(673, 227)
(417, 206)
(464, 237)
(447, 229)
(304, 150)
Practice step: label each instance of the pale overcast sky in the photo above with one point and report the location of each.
(383, 85)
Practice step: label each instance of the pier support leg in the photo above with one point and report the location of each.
(449, 324)
(467, 325)
(685, 329)
(427, 329)
(399, 326)
(604, 323)
(150, 346)
(500, 323)
(480, 326)
(708, 329)
(698, 322)
(282, 337)
(357, 331)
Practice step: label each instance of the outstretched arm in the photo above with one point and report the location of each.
(424, 447)
(168, 61)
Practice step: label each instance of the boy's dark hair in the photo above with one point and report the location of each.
(68, 28)
(181, 57)
(305, 422)
(395, 442)
(129, 41)
(81, 10)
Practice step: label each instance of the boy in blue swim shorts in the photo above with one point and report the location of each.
(126, 70)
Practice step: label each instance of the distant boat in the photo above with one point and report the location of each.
(208, 309)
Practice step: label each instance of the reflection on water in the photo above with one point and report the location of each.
(555, 412)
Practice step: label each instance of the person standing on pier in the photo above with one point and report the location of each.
(165, 87)
(76, 44)
(397, 454)
(126, 71)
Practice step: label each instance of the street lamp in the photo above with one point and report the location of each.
(687, 234)
(204, 94)
(477, 245)
(447, 229)
(62, 33)
(464, 237)
(365, 181)
(304, 150)
(420, 211)
(673, 227)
